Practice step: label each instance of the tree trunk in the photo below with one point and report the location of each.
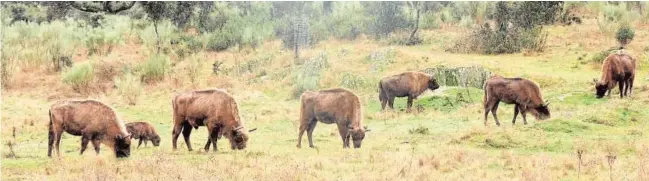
(155, 27)
(414, 31)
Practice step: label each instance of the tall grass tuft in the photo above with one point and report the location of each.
(129, 87)
(80, 76)
(155, 68)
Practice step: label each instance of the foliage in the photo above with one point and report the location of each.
(229, 26)
(307, 76)
(611, 16)
(79, 76)
(155, 68)
(129, 88)
(624, 35)
(387, 17)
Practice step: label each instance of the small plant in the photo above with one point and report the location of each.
(129, 88)
(419, 130)
(307, 77)
(79, 76)
(624, 35)
(155, 68)
(193, 69)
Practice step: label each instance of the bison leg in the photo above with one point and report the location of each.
(409, 109)
(96, 143)
(212, 139)
(344, 134)
(187, 130)
(489, 107)
(391, 101)
(84, 143)
(175, 134)
(621, 87)
(309, 132)
(516, 107)
(494, 112)
(304, 124)
(139, 143)
(50, 142)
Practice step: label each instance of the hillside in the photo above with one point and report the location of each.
(440, 142)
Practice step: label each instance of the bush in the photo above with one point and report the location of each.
(600, 56)
(379, 59)
(221, 41)
(624, 35)
(307, 76)
(388, 17)
(155, 68)
(193, 68)
(129, 88)
(612, 16)
(101, 39)
(79, 76)
(353, 81)
(430, 21)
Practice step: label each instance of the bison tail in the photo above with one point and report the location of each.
(381, 93)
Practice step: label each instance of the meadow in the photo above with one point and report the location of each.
(445, 139)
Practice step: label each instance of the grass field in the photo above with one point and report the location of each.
(442, 142)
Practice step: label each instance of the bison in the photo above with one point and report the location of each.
(93, 121)
(524, 93)
(215, 109)
(407, 84)
(329, 106)
(144, 132)
(618, 68)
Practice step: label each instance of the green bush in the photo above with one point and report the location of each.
(354, 82)
(307, 76)
(624, 35)
(430, 21)
(221, 41)
(79, 76)
(129, 88)
(156, 68)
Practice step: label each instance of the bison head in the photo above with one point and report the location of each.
(156, 140)
(239, 139)
(541, 112)
(432, 84)
(601, 89)
(357, 136)
(122, 146)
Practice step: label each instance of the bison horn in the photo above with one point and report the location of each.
(238, 128)
(252, 130)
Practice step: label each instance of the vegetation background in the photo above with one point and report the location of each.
(136, 56)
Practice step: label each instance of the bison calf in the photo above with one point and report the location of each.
(617, 68)
(144, 132)
(215, 109)
(524, 93)
(330, 106)
(92, 120)
(407, 84)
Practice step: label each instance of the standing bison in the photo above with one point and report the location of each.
(144, 132)
(330, 106)
(215, 109)
(93, 121)
(524, 93)
(407, 84)
(618, 68)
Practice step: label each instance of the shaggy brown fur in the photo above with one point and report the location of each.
(617, 68)
(93, 121)
(143, 132)
(407, 84)
(330, 106)
(524, 93)
(215, 109)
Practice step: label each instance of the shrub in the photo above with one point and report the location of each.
(388, 17)
(466, 21)
(129, 88)
(600, 56)
(624, 35)
(353, 81)
(430, 21)
(307, 76)
(79, 76)
(193, 68)
(612, 16)
(419, 130)
(379, 59)
(155, 68)
(221, 41)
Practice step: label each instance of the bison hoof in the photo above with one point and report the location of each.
(299, 146)
(312, 146)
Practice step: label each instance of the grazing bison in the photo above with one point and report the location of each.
(338, 106)
(93, 121)
(143, 132)
(524, 93)
(618, 68)
(215, 109)
(407, 84)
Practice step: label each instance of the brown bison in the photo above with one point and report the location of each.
(524, 93)
(618, 68)
(215, 109)
(407, 84)
(338, 106)
(93, 121)
(144, 132)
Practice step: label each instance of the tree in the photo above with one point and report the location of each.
(155, 10)
(111, 7)
(417, 6)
